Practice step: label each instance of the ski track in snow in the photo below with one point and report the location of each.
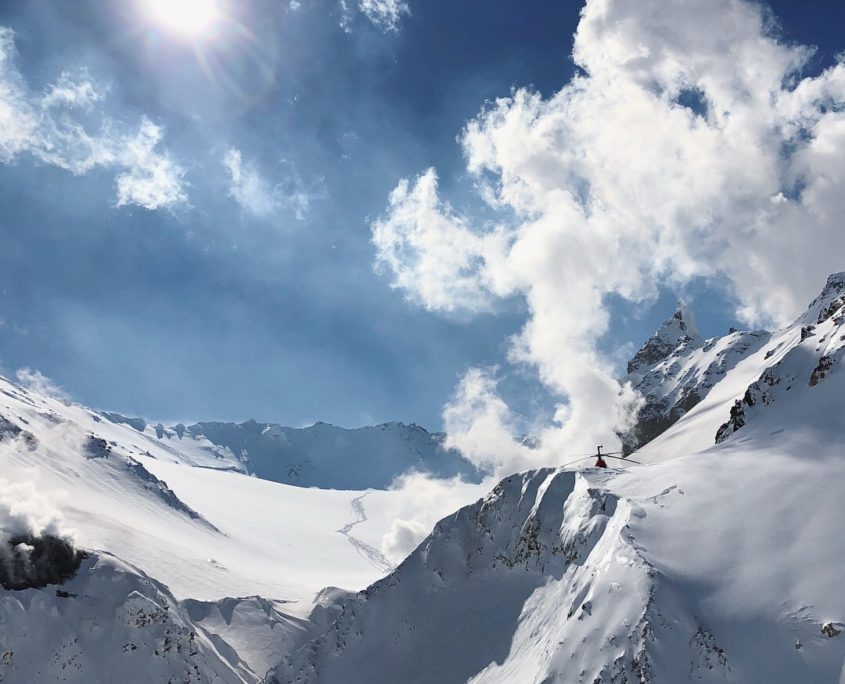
(370, 553)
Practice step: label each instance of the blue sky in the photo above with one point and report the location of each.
(258, 297)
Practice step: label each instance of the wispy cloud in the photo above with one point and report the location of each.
(50, 127)
(258, 196)
(385, 14)
(689, 145)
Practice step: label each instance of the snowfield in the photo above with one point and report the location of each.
(197, 527)
(207, 532)
(719, 558)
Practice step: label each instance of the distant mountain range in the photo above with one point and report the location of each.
(321, 455)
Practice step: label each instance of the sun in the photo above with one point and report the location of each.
(189, 17)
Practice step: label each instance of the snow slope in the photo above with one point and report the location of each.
(110, 619)
(710, 562)
(204, 531)
(683, 570)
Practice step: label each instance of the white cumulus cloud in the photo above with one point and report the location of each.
(433, 253)
(689, 144)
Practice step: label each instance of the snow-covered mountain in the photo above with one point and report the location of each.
(321, 455)
(226, 570)
(676, 368)
(714, 554)
(712, 562)
(325, 455)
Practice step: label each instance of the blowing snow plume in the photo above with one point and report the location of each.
(34, 550)
(689, 144)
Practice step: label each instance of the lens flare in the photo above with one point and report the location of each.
(189, 17)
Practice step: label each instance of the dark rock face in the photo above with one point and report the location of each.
(654, 418)
(97, 447)
(138, 424)
(660, 346)
(676, 369)
(161, 490)
(30, 562)
(8, 429)
(821, 370)
(736, 421)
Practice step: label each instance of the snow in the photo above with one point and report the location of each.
(712, 562)
(653, 573)
(332, 457)
(179, 511)
(111, 621)
(251, 536)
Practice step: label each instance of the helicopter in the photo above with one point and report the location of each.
(600, 456)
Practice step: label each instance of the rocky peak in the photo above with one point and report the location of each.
(679, 328)
(830, 302)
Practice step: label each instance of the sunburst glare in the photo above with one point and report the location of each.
(189, 17)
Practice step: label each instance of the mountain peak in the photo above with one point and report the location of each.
(830, 301)
(684, 320)
(679, 328)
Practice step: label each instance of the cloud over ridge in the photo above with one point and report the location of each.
(689, 144)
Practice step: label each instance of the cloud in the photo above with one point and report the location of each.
(256, 195)
(402, 537)
(51, 127)
(384, 14)
(689, 144)
(72, 90)
(480, 425)
(35, 548)
(424, 501)
(432, 253)
(40, 384)
(150, 179)
(23, 511)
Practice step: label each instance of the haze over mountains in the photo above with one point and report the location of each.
(714, 554)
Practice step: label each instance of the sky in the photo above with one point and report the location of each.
(461, 214)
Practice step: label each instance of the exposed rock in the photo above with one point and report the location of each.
(679, 329)
(97, 447)
(830, 630)
(161, 490)
(683, 368)
(138, 424)
(736, 421)
(32, 562)
(824, 366)
(8, 430)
